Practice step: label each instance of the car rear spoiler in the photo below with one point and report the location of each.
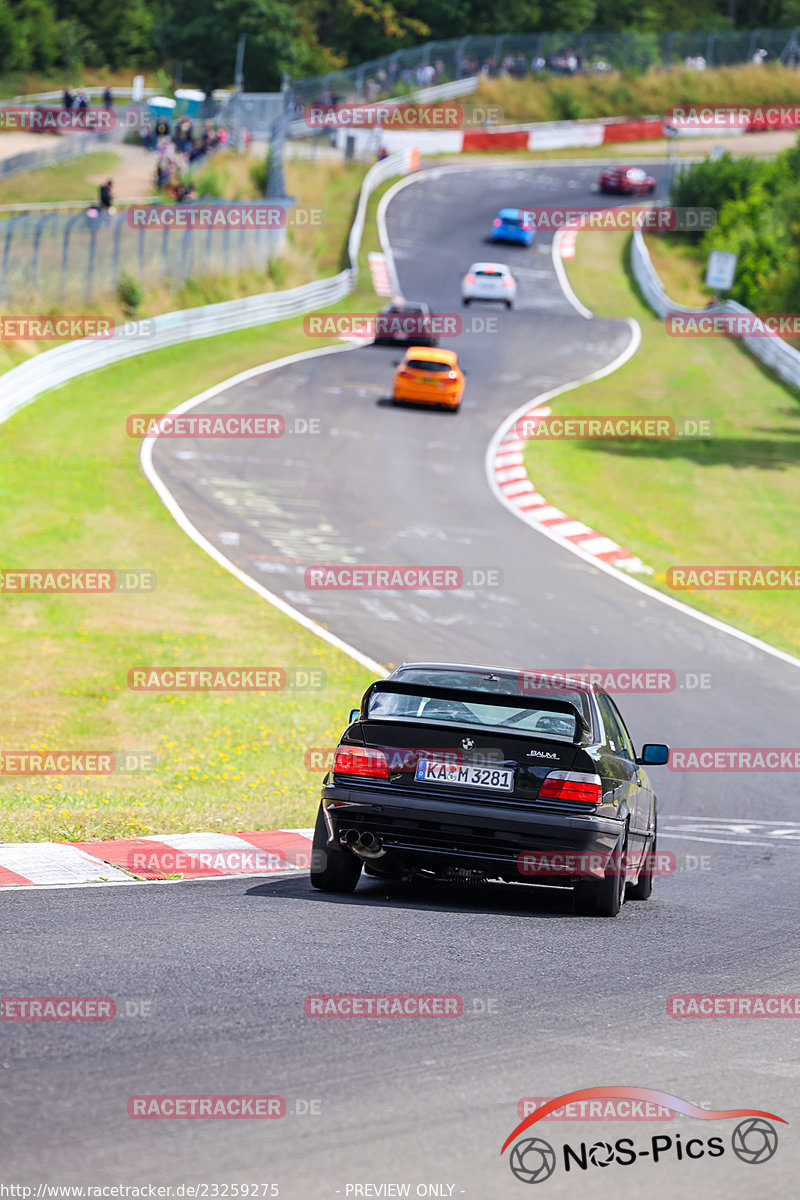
(500, 699)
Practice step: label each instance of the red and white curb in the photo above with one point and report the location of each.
(273, 852)
(569, 238)
(511, 478)
(380, 274)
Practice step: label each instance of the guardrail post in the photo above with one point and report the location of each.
(118, 223)
(37, 238)
(92, 249)
(7, 249)
(65, 250)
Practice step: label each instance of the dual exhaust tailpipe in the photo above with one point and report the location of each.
(365, 844)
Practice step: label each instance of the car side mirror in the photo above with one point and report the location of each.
(654, 754)
(396, 362)
(355, 713)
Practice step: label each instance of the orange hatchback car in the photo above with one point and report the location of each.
(428, 376)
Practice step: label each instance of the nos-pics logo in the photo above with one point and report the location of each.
(533, 1160)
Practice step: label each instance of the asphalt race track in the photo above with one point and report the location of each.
(551, 1002)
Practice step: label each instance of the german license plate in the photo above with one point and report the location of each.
(499, 779)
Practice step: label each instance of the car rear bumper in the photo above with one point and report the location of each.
(497, 297)
(433, 833)
(415, 396)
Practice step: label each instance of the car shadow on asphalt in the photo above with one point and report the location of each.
(502, 899)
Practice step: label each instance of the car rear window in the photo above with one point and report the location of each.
(513, 685)
(488, 272)
(422, 364)
(471, 712)
(512, 221)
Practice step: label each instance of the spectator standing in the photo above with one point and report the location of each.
(107, 197)
(108, 98)
(69, 96)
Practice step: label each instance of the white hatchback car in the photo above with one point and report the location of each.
(489, 281)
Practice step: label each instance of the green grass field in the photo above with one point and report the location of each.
(73, 495)
(728, 499)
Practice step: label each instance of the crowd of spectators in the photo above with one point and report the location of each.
(178, 146)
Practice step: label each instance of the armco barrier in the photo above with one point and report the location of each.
(25, 382)
(776, 354)
(299, 128)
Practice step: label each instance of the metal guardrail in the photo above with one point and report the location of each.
(298, 127)
(29, 379)
(773, 352)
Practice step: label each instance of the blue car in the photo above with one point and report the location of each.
(513, 225)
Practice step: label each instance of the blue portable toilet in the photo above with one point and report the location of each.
(160, 106)
(190, 102)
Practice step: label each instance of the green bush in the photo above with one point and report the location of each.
(758, 218)
(130, 294)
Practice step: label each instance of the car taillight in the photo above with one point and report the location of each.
(497, 222)
(469, 279)
(357, 760)
(508, 281)
(578, 786)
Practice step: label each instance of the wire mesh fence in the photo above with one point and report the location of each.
(56, 257)
(521, 54)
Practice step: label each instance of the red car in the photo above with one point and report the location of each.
(629, 181)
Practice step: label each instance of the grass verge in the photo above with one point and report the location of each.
(728, 499)
(231, 761)
(618, 95)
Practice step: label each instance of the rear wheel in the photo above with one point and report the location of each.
(333, 869)
(643, 888)
(508, 304)
(604, 897)
(465, 301)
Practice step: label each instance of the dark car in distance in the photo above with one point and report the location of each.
(405, 322)
(468, 773)
(627, 181)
